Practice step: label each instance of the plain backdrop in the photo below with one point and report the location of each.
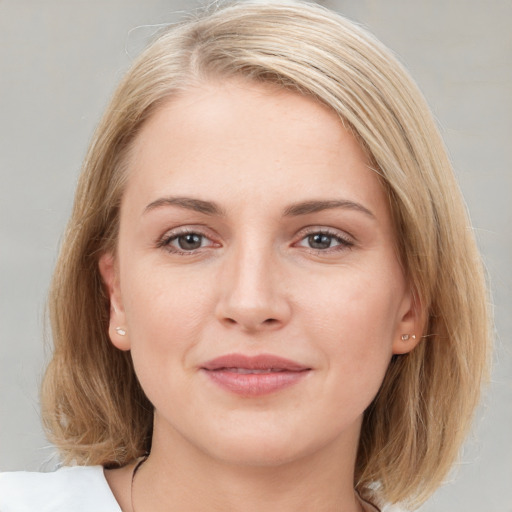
(59, 63)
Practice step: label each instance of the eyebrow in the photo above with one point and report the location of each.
(189, 203)
(307, 207)
(296, 209)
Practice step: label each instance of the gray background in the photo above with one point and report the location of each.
(59, 63)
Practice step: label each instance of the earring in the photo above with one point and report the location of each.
(405, 337)
(120, 331)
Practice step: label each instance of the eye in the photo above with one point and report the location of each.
(320, 241)
(188, 242)
(325, 240)
(185, 242)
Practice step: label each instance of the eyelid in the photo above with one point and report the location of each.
(346, 240)
(335, 232)
(165, 240)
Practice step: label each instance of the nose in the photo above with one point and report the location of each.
(252, 293)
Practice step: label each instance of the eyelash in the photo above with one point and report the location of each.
(343, 243)
(168, 238)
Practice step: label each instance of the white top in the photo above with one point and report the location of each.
(69, 489)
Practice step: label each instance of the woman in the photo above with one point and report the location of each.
(267, 296)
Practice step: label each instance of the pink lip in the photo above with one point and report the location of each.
(271, 373)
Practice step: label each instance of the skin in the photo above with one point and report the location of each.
(257, 282)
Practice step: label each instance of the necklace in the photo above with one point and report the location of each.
(141, 461)
(135, 469)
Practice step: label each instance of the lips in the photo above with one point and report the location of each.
(254, 375)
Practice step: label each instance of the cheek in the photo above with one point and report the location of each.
(165, 314)
(354, 306)
(165, 318)
(354, 325)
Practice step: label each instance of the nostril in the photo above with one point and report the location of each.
(268, 322)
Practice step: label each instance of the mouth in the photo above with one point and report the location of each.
(254, 375)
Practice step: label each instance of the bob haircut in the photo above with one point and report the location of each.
(93, 407)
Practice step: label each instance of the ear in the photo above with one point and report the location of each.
(117, 325)
(410, 324)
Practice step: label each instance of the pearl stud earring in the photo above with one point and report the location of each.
(120, 331)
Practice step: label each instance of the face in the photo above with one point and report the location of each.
(256, 275)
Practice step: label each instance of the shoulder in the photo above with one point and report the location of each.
(78, 488)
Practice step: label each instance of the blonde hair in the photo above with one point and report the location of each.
(93, 407)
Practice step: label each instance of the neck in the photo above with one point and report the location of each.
(179, 477)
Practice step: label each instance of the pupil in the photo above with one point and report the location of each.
(190, 241)
(319, 241)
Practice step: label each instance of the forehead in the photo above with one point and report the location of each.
(254, 140)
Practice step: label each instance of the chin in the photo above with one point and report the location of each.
(259, 451)
(265, 446)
